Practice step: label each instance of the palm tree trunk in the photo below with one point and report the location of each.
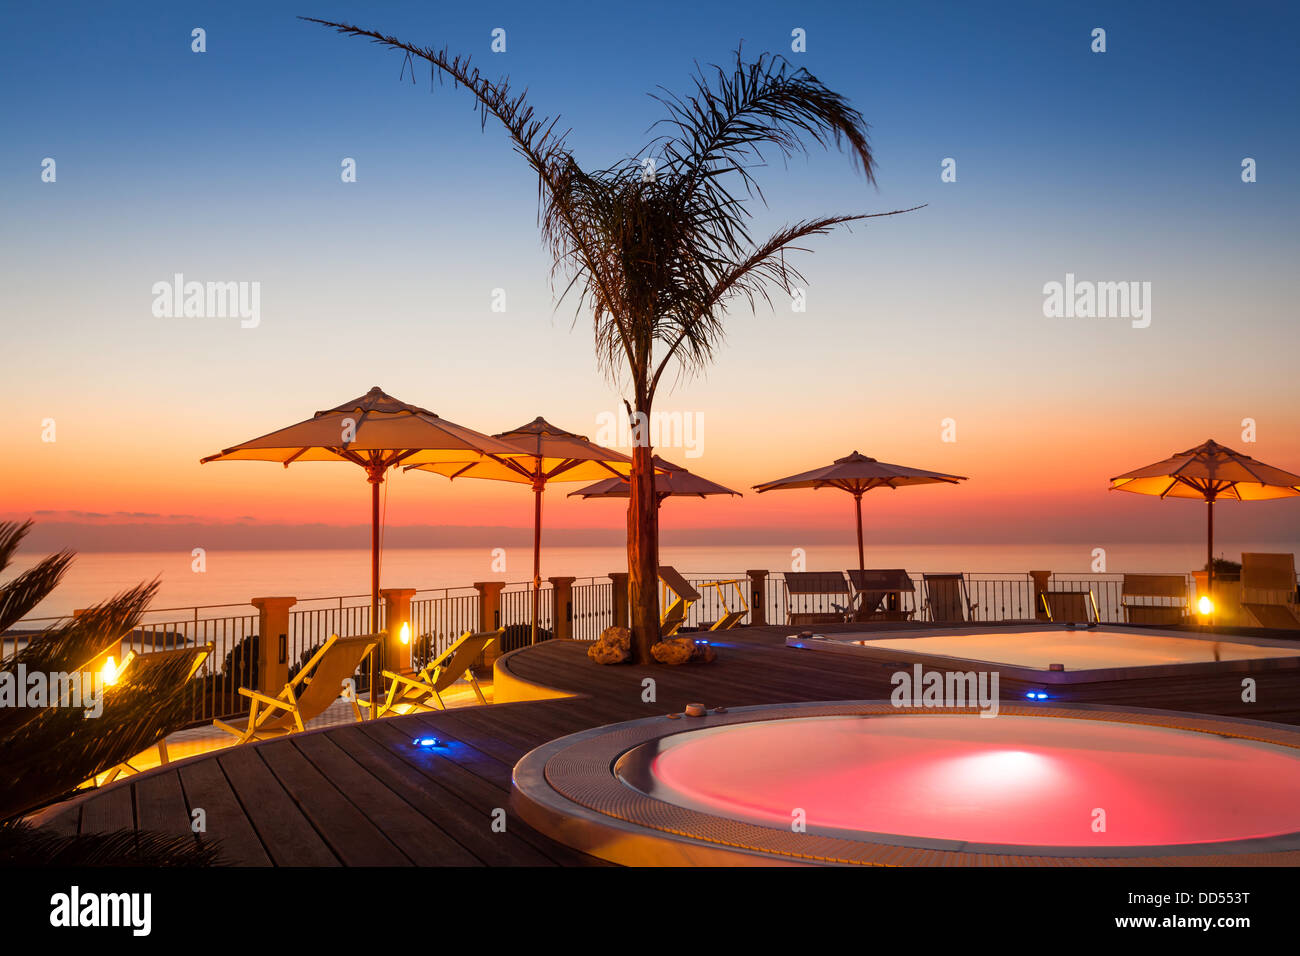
(643, 549)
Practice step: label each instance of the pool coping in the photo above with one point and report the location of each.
(567, 789)
(840, 643)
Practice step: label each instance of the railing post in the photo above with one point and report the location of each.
(489, 614)
(1039, 589)
(272, 642)
(620, 602)
(396, 656)
(562, 606)
(757, 596)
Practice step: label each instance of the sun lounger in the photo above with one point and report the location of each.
(1071, 607)
(827, 592)
(1154, 599)
(732, 611)
(423, 692)
(878, 594)
(1268, 589)
(174, 667)
(684, 595)
(307, 694)
(946, 598)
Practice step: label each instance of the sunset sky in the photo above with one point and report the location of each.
(225, 166)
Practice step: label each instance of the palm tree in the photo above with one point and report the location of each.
(658, 245)
(47, 751)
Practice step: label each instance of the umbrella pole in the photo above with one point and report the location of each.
(537, 551)
(1209, 547)
(376, 478)
(857, 501)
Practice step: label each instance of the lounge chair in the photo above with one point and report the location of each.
(684, 595)
(1154, 599)
(1071, 607)
(177, 665)
(878, 594)
(947, 599)
(1268, 589)
(829, 590)
(423, 691)
(730, 618)
(307, 694)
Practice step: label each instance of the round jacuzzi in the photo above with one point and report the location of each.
(869, 783)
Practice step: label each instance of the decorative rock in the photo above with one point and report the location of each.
(704, 654)
(614, 646)
(674, 650)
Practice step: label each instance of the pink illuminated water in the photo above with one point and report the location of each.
(1036, 781)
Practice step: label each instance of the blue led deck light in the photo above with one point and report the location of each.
(426, 742)
(1037, 695)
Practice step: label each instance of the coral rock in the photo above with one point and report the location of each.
(674, 650)
(614, 646)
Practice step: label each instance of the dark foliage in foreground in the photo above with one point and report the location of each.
(24, 845)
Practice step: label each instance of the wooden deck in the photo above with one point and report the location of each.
(364, 795)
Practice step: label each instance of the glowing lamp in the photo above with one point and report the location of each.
(426, 741)
(109, 672)
(1204, 605)
(406, 634)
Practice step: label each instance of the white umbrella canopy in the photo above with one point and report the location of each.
(1209, 472)
(542, 453)
(376, 432)
(857, 474)
(670, 480)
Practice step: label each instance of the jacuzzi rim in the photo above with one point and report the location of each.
(837, 643)
(590, 808)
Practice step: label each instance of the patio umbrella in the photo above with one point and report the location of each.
(1208, 472)
(375, 431)
(857, 474)
(543, 453)
(672, 480)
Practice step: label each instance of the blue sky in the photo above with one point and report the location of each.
(1123, 165)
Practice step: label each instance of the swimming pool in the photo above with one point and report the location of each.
(1062, 654)
(866, 782)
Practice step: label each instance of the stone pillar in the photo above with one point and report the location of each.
(489, 617)
(397, 611)
(562, 609)
(757, 596)
(1039, 589)
(272, 642)
(620, 602)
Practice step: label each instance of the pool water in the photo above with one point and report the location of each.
(1020, 780)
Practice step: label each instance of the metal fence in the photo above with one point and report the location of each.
(438, 617)
(592, 608)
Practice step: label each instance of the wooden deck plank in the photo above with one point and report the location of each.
(110, 810)
(458, 801)
(415, 834)
(206, 788)
(287, 835)
(356, 839)
(160, 804)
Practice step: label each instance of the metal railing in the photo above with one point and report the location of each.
(438, 617)
(592, 608)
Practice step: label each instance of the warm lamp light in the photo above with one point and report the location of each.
(109, 672)
(1205, 605)
(406, 634)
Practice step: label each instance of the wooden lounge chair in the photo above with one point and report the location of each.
(946, 598)
(307, 694)
(878, 594)
(684, 595)
(1268, 589)
(829, 593)
(178, 665)
(1071, 607)
(1154, 599)
(730, 618)
(423, 691)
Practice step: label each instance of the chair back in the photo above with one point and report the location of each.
(320, 682)
(673, 580)
(945, 596)
(1162, 598)
(1268, 572)
(452, 664)
(1069, 607)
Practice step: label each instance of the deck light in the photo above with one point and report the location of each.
(426, 741)
(1036, 695)
(109, 672)
(406, 633)
(1204, 605)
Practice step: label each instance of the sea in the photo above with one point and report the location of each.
(234, 577)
